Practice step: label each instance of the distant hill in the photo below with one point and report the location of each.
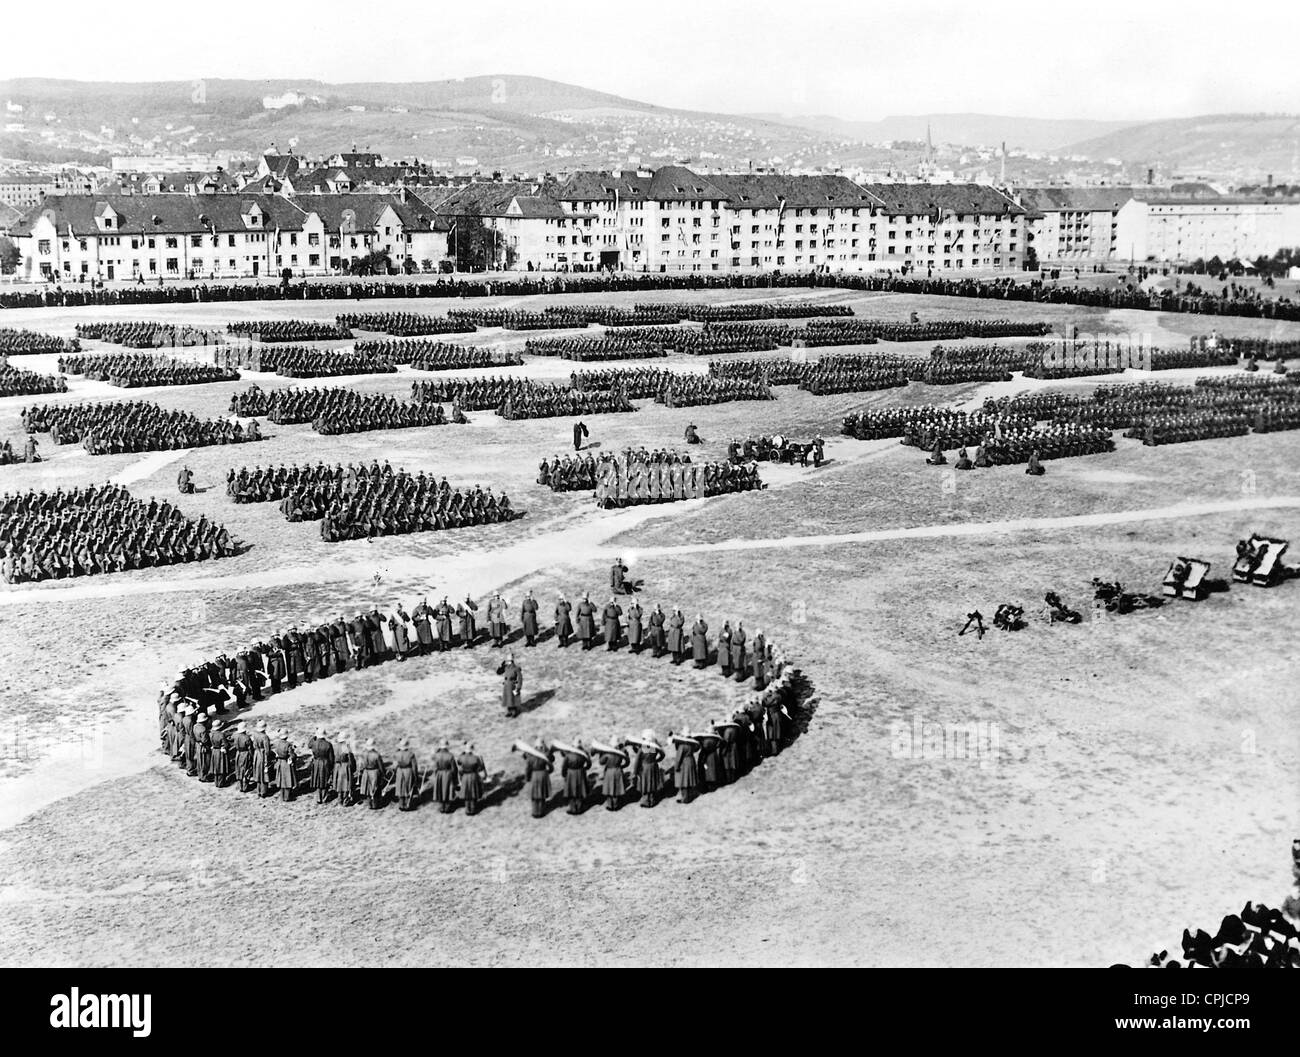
(1025, 133)
(1235, 143)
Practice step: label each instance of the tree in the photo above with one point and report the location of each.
(475, 246)
(373, 263)
(9, 256)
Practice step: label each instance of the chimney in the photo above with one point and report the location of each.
(1270, 180)
(1151, 177)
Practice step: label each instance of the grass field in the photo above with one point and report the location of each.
(1125, 777)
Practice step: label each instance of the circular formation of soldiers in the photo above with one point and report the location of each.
(132, 426)
(303, 361)
(149, 335)
(99, 529)
(201, 729)
(18, 381)
(288, 330)
(134, 370)
(403, 324)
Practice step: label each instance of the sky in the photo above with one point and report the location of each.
(1103, 59)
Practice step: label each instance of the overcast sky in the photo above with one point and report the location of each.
(1102, 59)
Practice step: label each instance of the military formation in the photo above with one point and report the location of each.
(203, 728)
(638, 477)
(18, 381)
(635, 383)
(148, 335)
(403, 324)
(15, 342)
(554, 318)
(303, 361)
(334, 410)
(99, 529)
(288, 330)
(693, 390)
(613, 346)
(361, 502)
(134, 370)
(130, 426)
(439, 355)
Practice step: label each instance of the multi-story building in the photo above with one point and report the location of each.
(944, 227)
(1159, 227)
(24, 190)
(222, 236)
(1074, 225)
(534, 232)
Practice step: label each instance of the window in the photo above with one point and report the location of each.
(230, 241)
(313, 239)
(43, 246)
(81, 245)
(196, 241)
(197, 264)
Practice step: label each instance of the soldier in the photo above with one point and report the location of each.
(649, 779)
(202, 749)
(468, 629)
(610, 624)
(263, 759)
(579, 431)
(685, 776)
(774, 720)
(286, 771)
(473, 774)
(528, 618)
(185, 481)
(728, 756)
(617, 574)
(243, 744)
(406, 775)
(344, 779)
(586, 615)
(322, 764)
(658, 633)
(724, 649)
(497, 625)
(372, 774)
(423, 616)
(738, 651)
(700, 641)
(760, 661)
(1034, 468)
(563, 625)
(537, 772)
(613, 782)
(677, 635)
(573, 769)
(444, 778)
(512, 685)
(963, 460)
(692, 437)
(634, 631)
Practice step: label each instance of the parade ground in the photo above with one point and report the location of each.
(1060, 795)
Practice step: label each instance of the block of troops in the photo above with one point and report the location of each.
(17, 381)
(683, 390)
(1014, 446)
(253, 402)
(399, 507)
(131, 426)
(568, 474)
(1198, 425)
(345, 411)
(776, 448)
(643, 316)
(715, 338)
(635, 383)
(149, 335)
(197, 731)
(440, 355)
(403, 324)
(923, 425)
(855, 374)
(778, 370)
(520, 319)
(706, 313)
(99, 529)
(954, 364)
(1056, 372)
(529, 399)
(304, 361)
(32, 343)
(1172, 359)
(27, 454)
(850, 332)
(638, 477)
(820, 333)
(288, 330)
(608, 347)
(134, 370)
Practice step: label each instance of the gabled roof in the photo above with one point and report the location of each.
(923, 199)
(768, 191)
(161, 214)
(500, 199)
(366, 210)
(1075, 199)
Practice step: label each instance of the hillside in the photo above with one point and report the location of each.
(1242, 145)
(1023, 133)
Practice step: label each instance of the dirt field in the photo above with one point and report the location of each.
(1123, 778)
